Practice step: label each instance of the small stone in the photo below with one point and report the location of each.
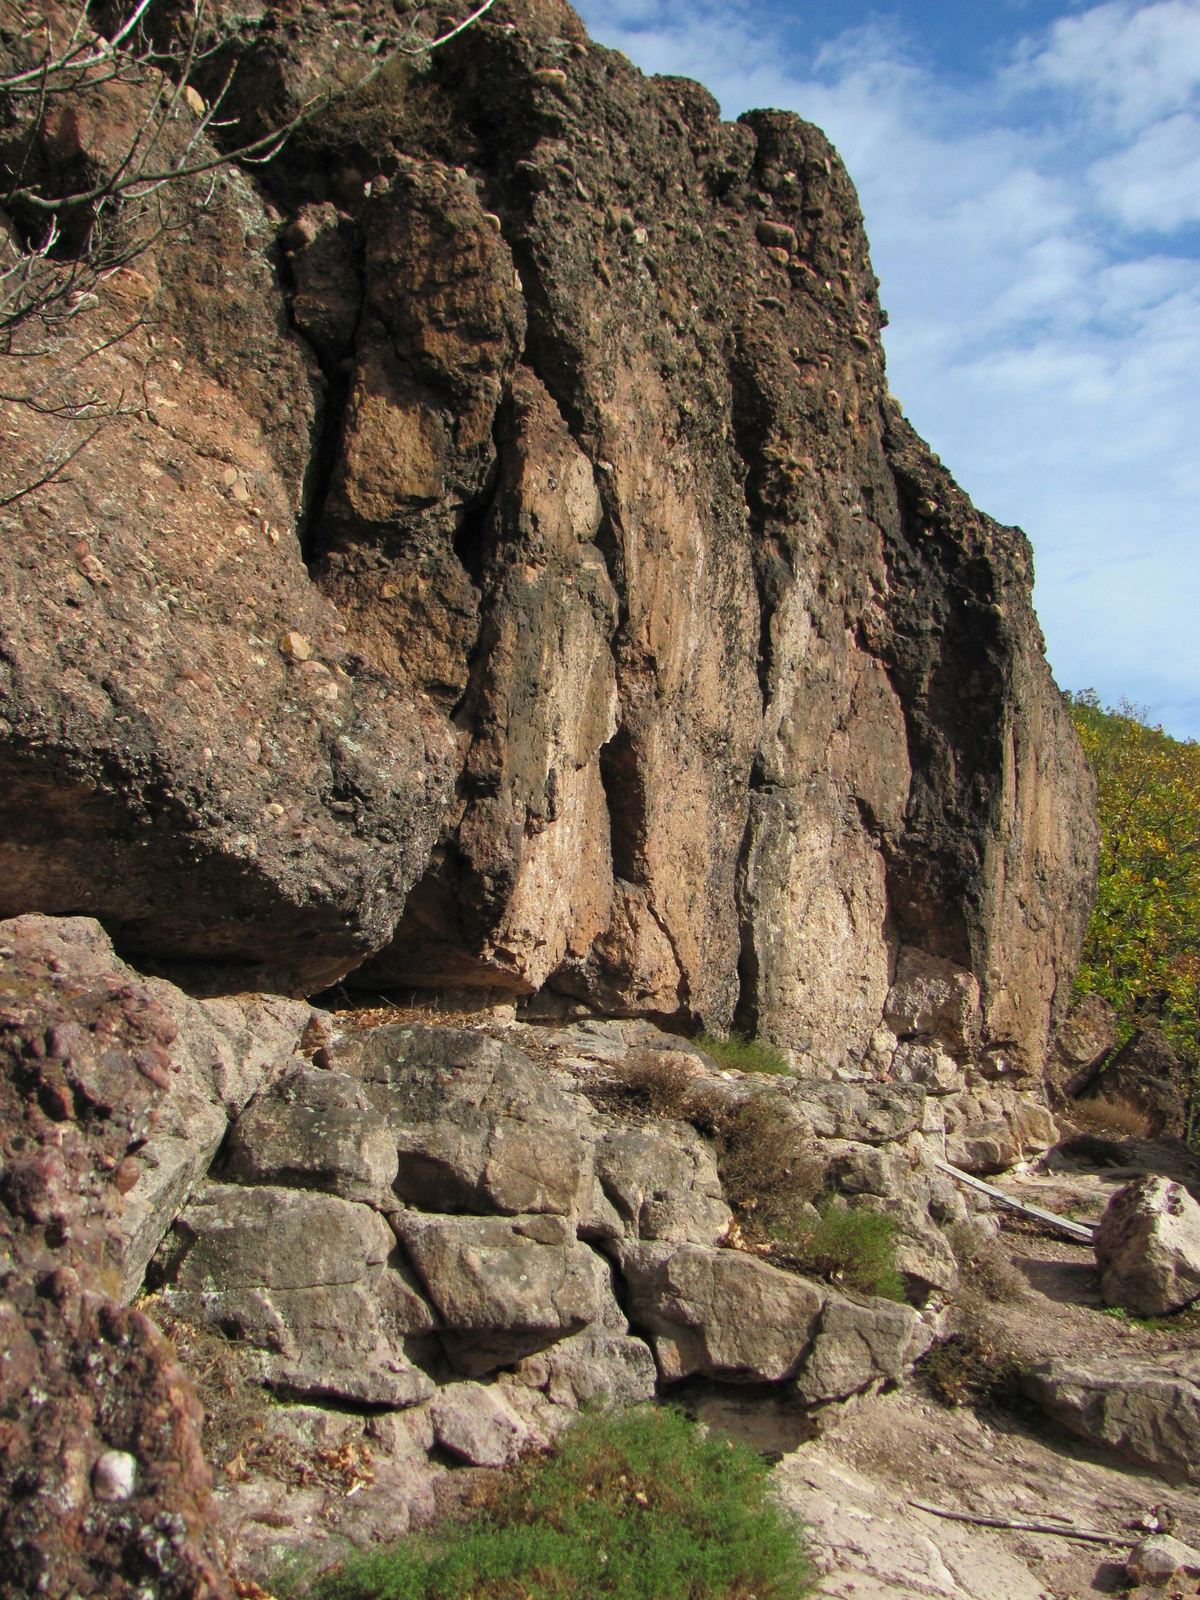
(239, 492)
(113, 1475)
(1160, 1558)
(195, 101)
(229, 477)
(551, 77)
(477, 1424)
(294, 647)
(776, 235)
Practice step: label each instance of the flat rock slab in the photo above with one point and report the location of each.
(868, 1544)
(1148, 1413)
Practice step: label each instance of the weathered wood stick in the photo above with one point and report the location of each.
(1083, 1231)
(1064, 1531)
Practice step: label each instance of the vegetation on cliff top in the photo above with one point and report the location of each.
(642, 1504)
(1142, 950)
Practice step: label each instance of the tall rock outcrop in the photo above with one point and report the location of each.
(572, 614)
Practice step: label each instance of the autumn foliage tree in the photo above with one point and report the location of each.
(1142, 951)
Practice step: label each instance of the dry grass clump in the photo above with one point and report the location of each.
(769, 1169)
(969, 1369)
(654, 1081)
(237, 1409)
(985, 1265)
(1115, 1118)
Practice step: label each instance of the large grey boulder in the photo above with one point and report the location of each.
(1160, 1558)
(868, 1113)
(478, 1127)
(1148, 1248)
(315, 1129)
(311, 1282)
(662, 1181)
(726, 1314)
(599, 1366)
(720, 1313)
(857, 1345)
(1149, 1413)
(504, 1286)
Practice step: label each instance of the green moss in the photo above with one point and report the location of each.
(641, 1504)
(745, 1055)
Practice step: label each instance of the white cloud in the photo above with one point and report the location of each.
(1047, 353)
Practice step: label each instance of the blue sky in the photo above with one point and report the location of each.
(1030, 175)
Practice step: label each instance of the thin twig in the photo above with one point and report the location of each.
(1064, 1531)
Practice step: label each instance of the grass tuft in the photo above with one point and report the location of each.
(1111, 1117)
(642, 1504)
(742, 1054)
(856, 1249)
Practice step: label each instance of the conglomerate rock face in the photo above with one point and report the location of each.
(516, 573)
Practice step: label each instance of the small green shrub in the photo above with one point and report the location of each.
(742, 1054)
(641, 1504)
(854, 1248)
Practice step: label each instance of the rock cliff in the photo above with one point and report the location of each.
(509, 571)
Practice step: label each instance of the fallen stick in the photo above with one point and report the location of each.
(1090, 1535)
(1083, 1231)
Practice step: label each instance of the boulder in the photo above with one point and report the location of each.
(504, 1286)
(662, 1181)
(1160, 1558)
(477, 1424)
(720, 1313)
(1082, 1044)
(478, 1127)
(935, 999)
(315, 1129)
(599, 1366)
(309, 1282)
(1147, 1412)
(1148, 1248)
(1146, 1074)
(928, 1065)
(857, 1345)
(868, 1113)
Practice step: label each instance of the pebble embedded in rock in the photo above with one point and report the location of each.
(114, 1475)
(294, 646)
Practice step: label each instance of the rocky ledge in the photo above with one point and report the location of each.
(427, 1237)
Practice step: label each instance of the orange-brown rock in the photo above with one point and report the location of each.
(647, 658)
